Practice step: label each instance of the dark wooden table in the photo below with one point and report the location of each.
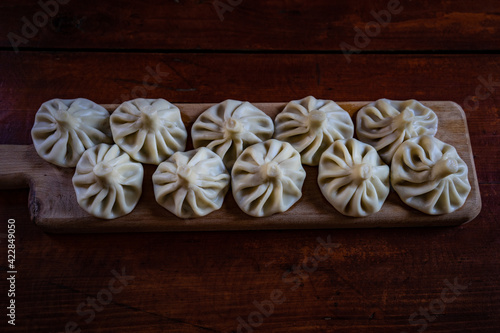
(372, 280)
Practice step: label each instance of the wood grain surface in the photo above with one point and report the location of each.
(54, 207)
(260, 25)
(374, 280)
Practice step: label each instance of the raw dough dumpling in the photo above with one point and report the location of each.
(267, 178)
(191, 183)
(108, 184)
(65, 128)
(353, 178)
(229, 127)
(149, 130)
(311, 125)
(385, 124)
(429, 175)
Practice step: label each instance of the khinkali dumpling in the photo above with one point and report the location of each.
(429, 175)
(191, 183)
(385, 124)
(311, 125)
(353, 178)
(149, 130)
(229, 127)
(65, 128)
(108, 184)
(267, 178)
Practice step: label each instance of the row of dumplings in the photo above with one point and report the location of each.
(238, 143)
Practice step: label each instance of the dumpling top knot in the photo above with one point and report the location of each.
(361, 172)
(443, 168)
(316, 119)
(186, 175)
(406, 119)
(233, 129)
(104, 173)
(271, 171)
(65, 120)
(150, 119)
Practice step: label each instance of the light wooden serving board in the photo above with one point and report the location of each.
(53, 206)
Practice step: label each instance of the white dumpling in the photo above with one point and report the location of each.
(65, 128)
(267, 178)
(429, 175)
(191, 183)
(353, 178)
(385, 124)
(149, 130)
(311, 125)
(229, 127)
(108, 184)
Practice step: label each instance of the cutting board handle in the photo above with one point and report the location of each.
(16, 166)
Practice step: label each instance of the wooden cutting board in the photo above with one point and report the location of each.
(53, 206)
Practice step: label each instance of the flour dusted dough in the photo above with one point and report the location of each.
(311, 125)
(191, 183)
(65, 128)
(267, 178)
(385, 124)
(149, 130)
(229, 127)
(107, 183)
(429, 175)
(353, 178)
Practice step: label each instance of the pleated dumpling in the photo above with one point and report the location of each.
(65, 128)
(229, 127)
(191, 183)
(353, 178)
(149, 130)
(429, 175)
(108, 184)
(267, 178)
(385, 124)
(311, 125)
